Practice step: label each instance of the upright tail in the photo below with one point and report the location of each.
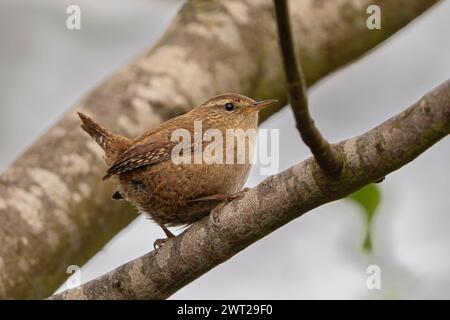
(113, 145)
(100, 134)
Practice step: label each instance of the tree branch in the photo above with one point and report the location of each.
(273, 203)
(54, 209)
(328, 157)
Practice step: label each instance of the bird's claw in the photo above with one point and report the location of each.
(159, 243)
(214, 215)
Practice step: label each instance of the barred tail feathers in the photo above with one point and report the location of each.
(113, 144)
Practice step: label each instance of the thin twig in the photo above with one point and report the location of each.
(328, 158)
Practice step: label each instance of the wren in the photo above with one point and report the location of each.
(175, 193)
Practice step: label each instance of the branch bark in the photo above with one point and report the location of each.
(327, 157)
(275, 202)
(54, 209)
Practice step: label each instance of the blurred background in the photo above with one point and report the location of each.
(45, 68)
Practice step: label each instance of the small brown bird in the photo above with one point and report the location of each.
(151, 176)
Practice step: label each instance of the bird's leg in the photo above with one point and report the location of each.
(167, 231)
(117, 196)
(221, 196)
(159, 242)
(214, 215)
(224, 198)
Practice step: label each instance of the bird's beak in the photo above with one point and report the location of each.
(262, 104)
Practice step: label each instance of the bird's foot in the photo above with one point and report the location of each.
(117, 196)
(220, 197)
(225, 198)
(214, 215)
(215, 197)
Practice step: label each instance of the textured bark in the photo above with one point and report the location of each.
(54, 209)
(273, 203)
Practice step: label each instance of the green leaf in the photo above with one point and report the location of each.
(369, 199)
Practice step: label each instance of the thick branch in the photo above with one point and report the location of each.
(328, 158)
(276, 201)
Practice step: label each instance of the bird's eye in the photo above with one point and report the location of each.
(229, 106)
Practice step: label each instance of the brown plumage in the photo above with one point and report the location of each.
(173, 193)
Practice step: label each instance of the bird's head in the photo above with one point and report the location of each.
(232, 110)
